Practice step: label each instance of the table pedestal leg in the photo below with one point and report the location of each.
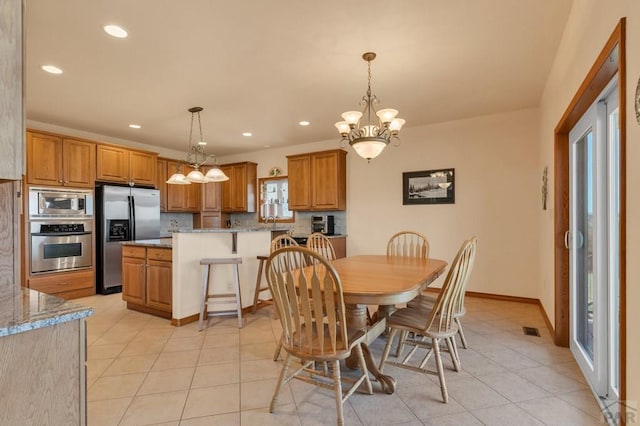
(357, 318)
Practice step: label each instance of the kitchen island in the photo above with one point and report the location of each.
(42, 359)
(187, 247)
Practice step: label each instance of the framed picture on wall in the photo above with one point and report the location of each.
(429, 187)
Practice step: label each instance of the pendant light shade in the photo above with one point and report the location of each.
(196, 157)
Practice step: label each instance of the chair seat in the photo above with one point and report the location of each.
(312, 350)
(426, 302)
(413, 319)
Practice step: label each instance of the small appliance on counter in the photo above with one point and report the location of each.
(323, 224)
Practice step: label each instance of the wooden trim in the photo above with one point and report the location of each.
(148, 310)
(603, 69)
(492, 296)
(178, 322)
(547, 321)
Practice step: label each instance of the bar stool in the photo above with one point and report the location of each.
(220, 299)
(259, 287)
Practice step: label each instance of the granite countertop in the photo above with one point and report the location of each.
(157, 242)
(30, 310)
(228, 230)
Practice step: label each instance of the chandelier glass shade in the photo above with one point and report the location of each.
(369, 131)
(196, 158)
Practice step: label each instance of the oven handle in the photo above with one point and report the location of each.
(58, 234)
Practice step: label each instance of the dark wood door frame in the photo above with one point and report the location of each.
(610, 61)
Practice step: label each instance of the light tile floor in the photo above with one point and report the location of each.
(143, 371)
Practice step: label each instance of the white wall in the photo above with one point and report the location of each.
(497, 195)
(590, 24)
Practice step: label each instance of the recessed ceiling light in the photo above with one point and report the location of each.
(52, 69)
(135, 126)
(266, 146)
(115, 31)
(304, 123)
(247, 134)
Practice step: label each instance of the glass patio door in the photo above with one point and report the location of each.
(592, 240)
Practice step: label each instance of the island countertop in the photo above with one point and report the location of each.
(227, 230)
(30, 310)
(157, 242)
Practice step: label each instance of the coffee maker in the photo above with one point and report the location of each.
(323, 224)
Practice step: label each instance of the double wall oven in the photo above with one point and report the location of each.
(60, 229)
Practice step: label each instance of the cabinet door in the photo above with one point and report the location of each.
(192, 199)
(79, 163)
(298, 170)
(161, 183)
(327, 180)
(133, 280)
(239, 188)
(227, 189)
(210, 196)
(159, 279)
(112, 164)
(44, 159)
(142, 168)
(176, 194)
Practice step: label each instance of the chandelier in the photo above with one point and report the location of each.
(369, 138)
(196, 157)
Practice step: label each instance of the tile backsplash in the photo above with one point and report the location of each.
(302, 224)
(169, 221)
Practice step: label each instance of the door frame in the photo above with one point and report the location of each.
(604, 68)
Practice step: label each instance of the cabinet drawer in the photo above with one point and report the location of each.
(133, 251)
(61, 282)
(159, 254)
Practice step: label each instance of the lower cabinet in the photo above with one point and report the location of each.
(147, 279)
(339, 246)
(67, 285)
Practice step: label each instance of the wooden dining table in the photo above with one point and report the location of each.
(384, 281)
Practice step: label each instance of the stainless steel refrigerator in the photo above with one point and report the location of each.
(122, 214)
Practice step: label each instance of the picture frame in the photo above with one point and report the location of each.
(429, 187)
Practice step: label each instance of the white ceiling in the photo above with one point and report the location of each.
(263, 66)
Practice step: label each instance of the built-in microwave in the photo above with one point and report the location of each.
(60, 203)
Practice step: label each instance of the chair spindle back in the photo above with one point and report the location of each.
(408, 244)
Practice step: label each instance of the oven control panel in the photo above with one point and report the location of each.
(59, 228)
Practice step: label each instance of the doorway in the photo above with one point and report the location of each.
(592, 241)
(610, 62)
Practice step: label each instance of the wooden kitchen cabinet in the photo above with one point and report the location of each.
(182, 198)
(210, 215)
(122, 165)
(147, 279)
(161, 182)
(66, 285)
(239, 192)
(56, 161)
(318, 180)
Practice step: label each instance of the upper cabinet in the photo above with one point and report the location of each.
(211, 197)
(239, 192)
(318, 180)
(181, 198)
(56, 161)
(121, 165)
(161, 182)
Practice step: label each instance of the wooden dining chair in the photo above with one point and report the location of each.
(426, 301)
(406, 244)
(433, 325)
(281, 241)
(311, 308)
(321, 245)
(278, 242)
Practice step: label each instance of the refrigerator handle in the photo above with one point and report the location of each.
(132, 216)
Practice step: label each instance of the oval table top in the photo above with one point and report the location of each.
(385, 280)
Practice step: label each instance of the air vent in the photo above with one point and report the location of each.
(531, 331)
